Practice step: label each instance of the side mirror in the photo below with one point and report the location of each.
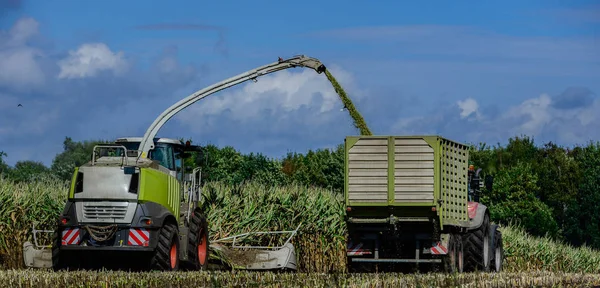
(489, 182)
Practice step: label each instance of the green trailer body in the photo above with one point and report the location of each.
(408, 171)
(413, 199)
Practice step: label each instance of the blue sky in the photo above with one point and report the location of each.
(467, 70)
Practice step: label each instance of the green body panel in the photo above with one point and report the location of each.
(407, 171)
(72, 188)
(161, 188)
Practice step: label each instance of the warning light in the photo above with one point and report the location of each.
(148, 221)
(64, 221)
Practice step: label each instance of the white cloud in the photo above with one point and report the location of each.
(19, 67)
(468, 107)
(281, 92)
(536, 111)
(90, 59)
(536, 117)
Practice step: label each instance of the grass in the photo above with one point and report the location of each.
(231, 210)
(23, 278)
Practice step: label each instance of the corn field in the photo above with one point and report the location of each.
(320, 244)
(21, 278)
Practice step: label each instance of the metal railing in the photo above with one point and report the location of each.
(124, 157)
(35, 240)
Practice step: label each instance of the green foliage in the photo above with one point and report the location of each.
(75, 154)
(3, 166)
(514, 200)
(582, 214)
(28, 171)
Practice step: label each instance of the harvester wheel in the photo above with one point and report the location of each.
(477, 247)
(166, 254)
(59, 261)
(498, 251)
(198, 241)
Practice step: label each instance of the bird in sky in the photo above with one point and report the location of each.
(19, 105)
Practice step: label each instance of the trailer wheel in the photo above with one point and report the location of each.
(449, 260)
(477, 247)
(166, 254)
(198, 242)
(454, 261)
(460, 255)
(498, 251)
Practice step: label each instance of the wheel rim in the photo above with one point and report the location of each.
(173, 255)
(486, 251)
(202, 249)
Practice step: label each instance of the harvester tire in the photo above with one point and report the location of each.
(166, 254)
(198, 242)
(477, 247)
(498, 251)
(60, 261)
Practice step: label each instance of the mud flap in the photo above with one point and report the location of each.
(441, 247)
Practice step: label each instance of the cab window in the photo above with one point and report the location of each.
(164, 154)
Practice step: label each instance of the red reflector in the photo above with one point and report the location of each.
(64, 220)
(348, 209)
(433, 209)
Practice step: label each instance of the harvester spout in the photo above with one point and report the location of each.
(147, 142)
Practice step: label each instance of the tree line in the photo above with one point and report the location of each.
(547, 189)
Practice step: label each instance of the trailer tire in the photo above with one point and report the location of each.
(166, 253)
(198, 242)
(454, 261)
(498, 251)
(477, 247)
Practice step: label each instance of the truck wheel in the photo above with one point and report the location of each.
(498, 251)
(477, 247)
(166, 254)
(198, 241)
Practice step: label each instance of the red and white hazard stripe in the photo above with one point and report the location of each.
(70, 236)
(138, 237)
(439, 249)
(356, 250)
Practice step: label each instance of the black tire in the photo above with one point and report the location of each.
(449, 261)
(460, 254)
(168, 240)
(454, 261)
(198, 242)
(477, 247)
(498, 252)
(60, 260)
